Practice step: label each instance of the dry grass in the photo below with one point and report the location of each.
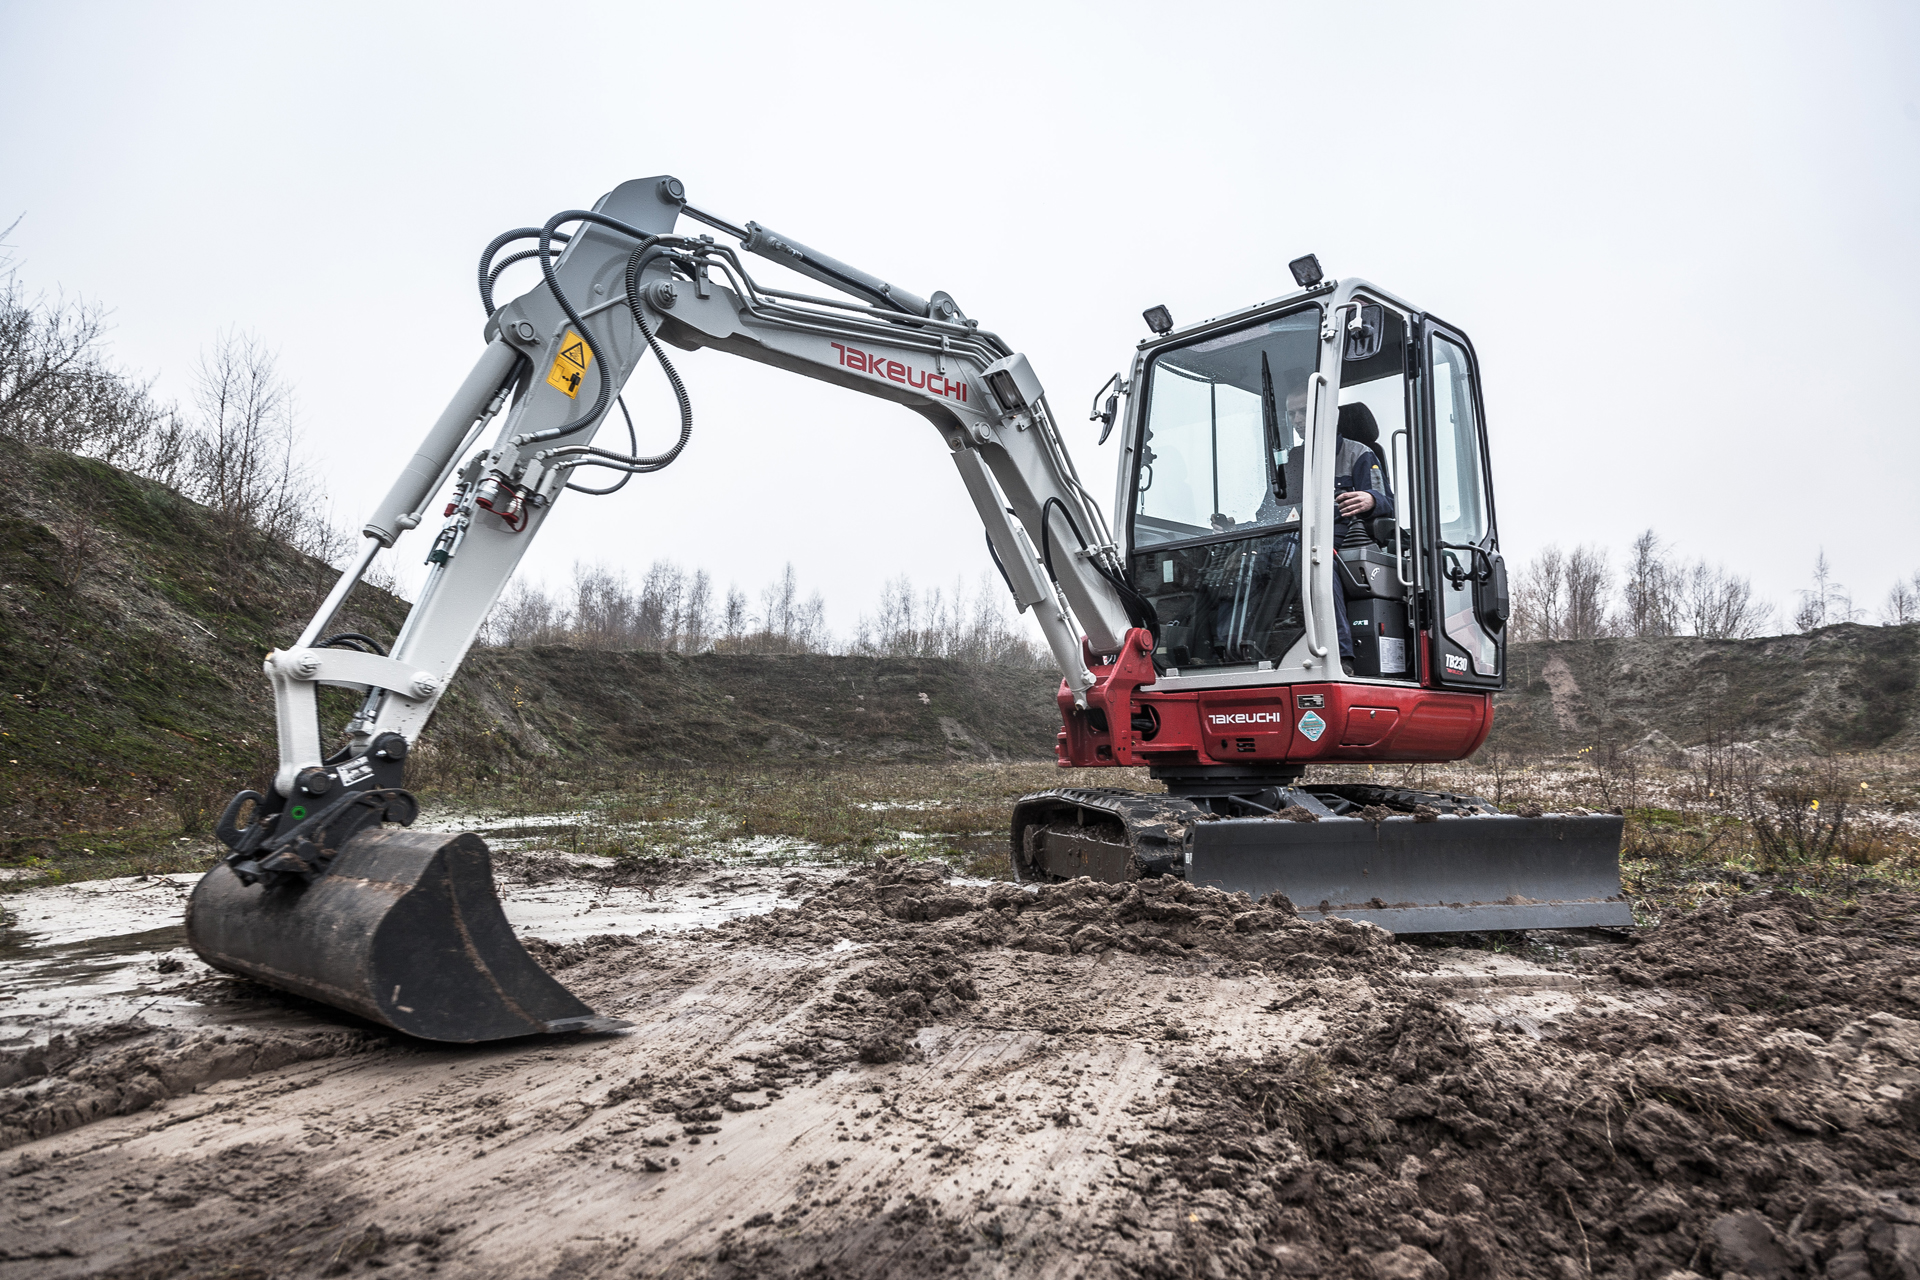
(1716, 822)
(957, 812)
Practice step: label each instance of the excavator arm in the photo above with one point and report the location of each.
(403, 927)
(621, 282)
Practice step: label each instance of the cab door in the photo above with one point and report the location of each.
(1466, 579)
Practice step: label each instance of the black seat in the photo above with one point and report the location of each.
(1357, 424)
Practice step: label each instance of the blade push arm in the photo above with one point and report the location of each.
(624, 268)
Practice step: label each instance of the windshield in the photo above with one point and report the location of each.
(1220, 451)
(1230, 602)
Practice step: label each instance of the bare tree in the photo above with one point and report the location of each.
(1719, 605)
(1540, 597)
(1650, 604)
(1903, 602)
(696, 619)
(1826, 603)
(243, 461)
(59, 390)
(670, 612)
(939, 624)
(662, 608)
(523, 617)
(735, 621)
(788, 624)
(1589, 586)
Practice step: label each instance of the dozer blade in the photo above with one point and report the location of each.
(1453, 875)
(404, 929)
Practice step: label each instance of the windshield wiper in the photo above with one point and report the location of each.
(1270, 418)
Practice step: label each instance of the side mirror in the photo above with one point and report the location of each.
(1366, 331)
(1491, 599)
(1107, 413)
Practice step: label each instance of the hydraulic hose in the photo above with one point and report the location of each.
(351, 640)
(1140, 610)
(636, 262)
(600, 401)
(633, 446)
(631, 463)
(489, 273)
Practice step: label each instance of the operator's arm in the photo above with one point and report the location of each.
(1369, 493)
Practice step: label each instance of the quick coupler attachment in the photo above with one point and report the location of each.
(297, 835)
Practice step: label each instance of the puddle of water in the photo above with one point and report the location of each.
(568, 910)
(56, 915)
(92, 952)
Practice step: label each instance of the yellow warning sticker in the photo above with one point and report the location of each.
(570, 366)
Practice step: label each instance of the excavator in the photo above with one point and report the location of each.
(1199, 635)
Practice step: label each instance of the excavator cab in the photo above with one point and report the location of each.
(1216, 504)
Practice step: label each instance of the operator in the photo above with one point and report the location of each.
(1361, 493)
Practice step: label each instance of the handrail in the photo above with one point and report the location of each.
(1316, 381)
(1400, 566)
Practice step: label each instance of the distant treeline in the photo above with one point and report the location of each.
(1576, 595)
(672, 611)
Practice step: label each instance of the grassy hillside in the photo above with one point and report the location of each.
(557, 703)
(1845, 688)
(131, 637)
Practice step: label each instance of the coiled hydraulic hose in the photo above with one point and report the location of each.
(489, 274)
(633, 446)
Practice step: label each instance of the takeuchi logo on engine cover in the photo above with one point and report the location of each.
(1248, 717)
(905, 374)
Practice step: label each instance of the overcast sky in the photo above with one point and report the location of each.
(1682, 236)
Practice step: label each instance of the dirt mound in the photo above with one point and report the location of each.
(1847, 687)
(1777, 953)
(926, 929)
(125, 1067)
(1147, 917)
(1423, 1147)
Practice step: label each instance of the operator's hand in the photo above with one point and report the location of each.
(1355, 502)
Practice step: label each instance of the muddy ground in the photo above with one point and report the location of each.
(894, 1072)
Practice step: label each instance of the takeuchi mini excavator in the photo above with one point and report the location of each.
(1200, 635)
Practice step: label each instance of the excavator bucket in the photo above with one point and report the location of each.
(404, 929)
(1449, 875)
